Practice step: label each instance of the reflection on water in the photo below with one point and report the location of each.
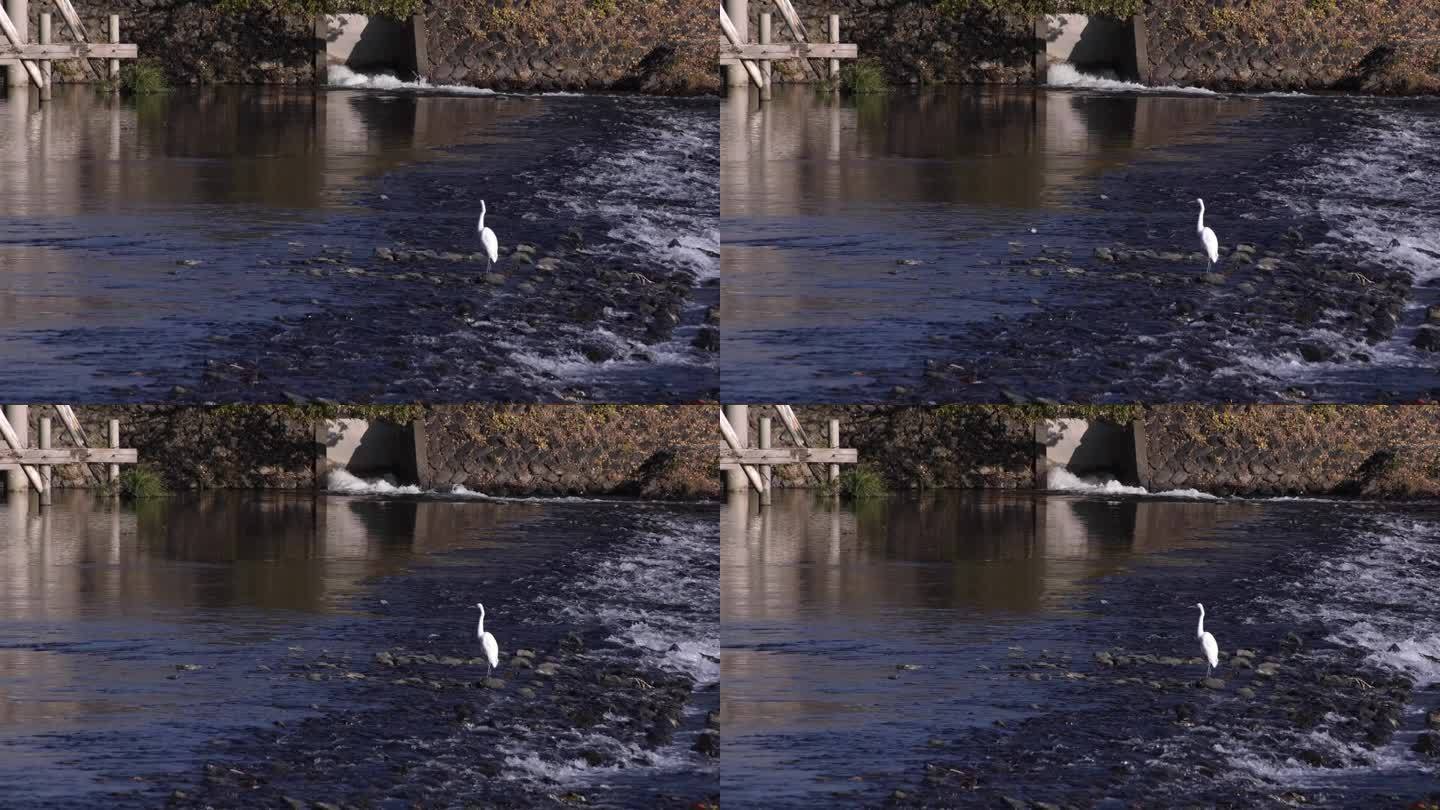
(102, 605)
(823, 195)
(821, 602)
(104, 196)
(89, 153)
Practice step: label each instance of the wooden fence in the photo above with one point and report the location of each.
(37, 58)
(756, 57)
(756, 462)
(36, 463)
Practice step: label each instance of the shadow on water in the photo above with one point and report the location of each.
(822, 604)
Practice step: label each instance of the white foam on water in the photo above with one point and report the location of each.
(647, 184)
(656, 596)
(1376, 598)
(1066, 75)
(529, 765)
(342, 482)
(1379, 193)
(341, 76)
(1062, 480)
(559, 356)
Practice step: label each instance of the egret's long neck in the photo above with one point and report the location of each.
(1200, 226)
(482, 227)
(480, 629)
(1200, 627)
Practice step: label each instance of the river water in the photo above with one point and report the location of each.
(159, 648)
(944, 646)
(220, 244)
(940, 243)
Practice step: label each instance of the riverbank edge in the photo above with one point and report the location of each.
(1370, 451)
(659, 452)
(1284, 46)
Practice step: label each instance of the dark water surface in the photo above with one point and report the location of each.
(223, 241)
(138, 644)
(942, 241)
(866, 647)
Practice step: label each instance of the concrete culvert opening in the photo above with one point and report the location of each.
(366, 449)
(367, 44)
(1096, 45)
(1092, 450)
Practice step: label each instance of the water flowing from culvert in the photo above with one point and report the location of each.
(928, 644)
(941, 244)
(209, 265)
(141, 644)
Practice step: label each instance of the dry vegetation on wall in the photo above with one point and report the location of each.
(652, 46)
(1371, 450)
(656, 451)
(1031, 8)
(1376, 46)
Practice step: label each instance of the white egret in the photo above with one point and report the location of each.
(1207, 643)
(487, 238)
(487, 641)
(1207, 237)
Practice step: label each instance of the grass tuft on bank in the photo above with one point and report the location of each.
(861, 483)
(140, 483)
(143, 77)
(863, 77)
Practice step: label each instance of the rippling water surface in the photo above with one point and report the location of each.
(941, 243)
(139, 644)
(219, 243)
(865, 646)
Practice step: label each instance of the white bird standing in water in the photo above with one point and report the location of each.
(487, 238)
(1207, 643)
(1207, 237)
(487, 641)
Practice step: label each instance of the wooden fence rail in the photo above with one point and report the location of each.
(756, 58)
(37, 462)
(758, 462)
(37, 58)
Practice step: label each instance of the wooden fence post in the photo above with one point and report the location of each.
(766, 471)
(46, 67)
(47, 471)
(834, 40)
(835, 443)
(765, 68)
(115, 40)
(114, 438)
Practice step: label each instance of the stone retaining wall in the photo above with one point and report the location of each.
(651, 46)
(194, 41)
(231, 447)
(1294, 450)
(1384, 46)
(1375, 451)
(654, 451)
